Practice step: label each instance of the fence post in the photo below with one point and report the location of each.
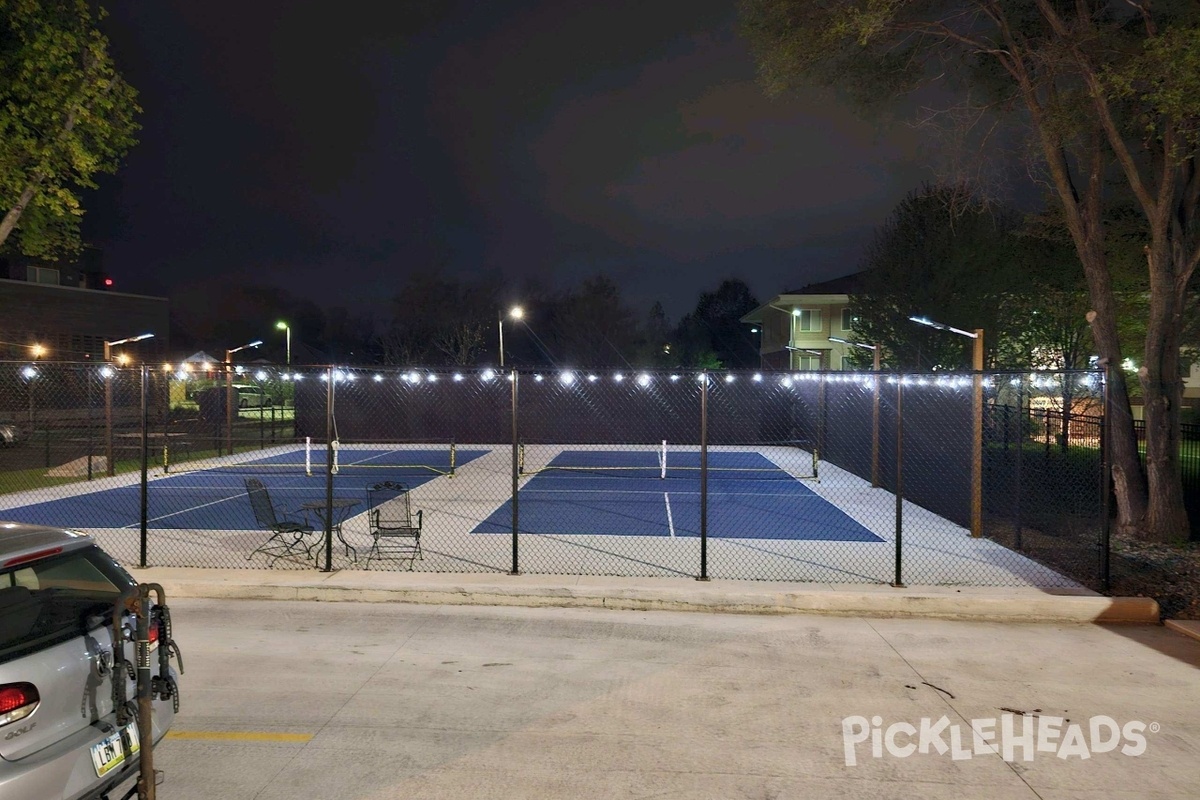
(329, 451)
(1106, 485)
(228, 407)
(1020, 437)
(515, 476)
(977, 437)
(703, 576)
(110, 468)
(90, 444)
(875, 423)
(898, 580)
(145, 463)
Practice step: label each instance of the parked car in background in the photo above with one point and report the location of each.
(59, 737)
(10, 434)
(249, 396)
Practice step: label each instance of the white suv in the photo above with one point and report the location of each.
(251, 396)
(59, 732)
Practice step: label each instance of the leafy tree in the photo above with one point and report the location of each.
(713, 335)
(591, 326)
(1102, 89)
(65, 115)
(949, 265)
(657, 348)
(437, 319)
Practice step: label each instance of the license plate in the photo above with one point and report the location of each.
(109, 754)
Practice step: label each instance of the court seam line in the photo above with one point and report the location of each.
(670, 521)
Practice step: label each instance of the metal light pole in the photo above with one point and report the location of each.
(229, 392)
(283, 326)
(515, 313)
(976, 421)
(110, 468)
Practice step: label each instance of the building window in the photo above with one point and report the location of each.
(806, 362)
(847, 320)
(808, 320)
(42, 275)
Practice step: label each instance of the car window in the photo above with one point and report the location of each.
(51, 601)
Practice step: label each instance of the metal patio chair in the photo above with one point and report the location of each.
(288, 536)
(395, 530)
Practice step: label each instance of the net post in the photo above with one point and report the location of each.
(308, 456)
(335, 462)
(166, 459)
(663, 461)
(521, 459)
(453, 454)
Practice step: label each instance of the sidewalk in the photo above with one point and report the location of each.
(995, 604)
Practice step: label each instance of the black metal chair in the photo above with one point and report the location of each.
(287, 536)
(395, 530)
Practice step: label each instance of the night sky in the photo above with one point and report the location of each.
(332, 148)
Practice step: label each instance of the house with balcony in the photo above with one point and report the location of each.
(795, 327)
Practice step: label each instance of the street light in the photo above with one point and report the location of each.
(229, 391)
(229, 353)
(108, 346)
(976, 421)
(515, 313)
(283, 326)
(38, 351)
(109, 467)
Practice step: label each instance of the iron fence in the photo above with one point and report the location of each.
(828, 477)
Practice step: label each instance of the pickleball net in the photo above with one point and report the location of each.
(315, 457)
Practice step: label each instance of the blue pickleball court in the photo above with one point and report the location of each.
(630, 493)
(214, 497)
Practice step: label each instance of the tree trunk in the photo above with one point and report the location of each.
(14, 214)
(1162, 393)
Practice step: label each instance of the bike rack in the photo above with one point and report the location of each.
(150, 687)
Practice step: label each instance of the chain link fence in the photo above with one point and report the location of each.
(993, 479)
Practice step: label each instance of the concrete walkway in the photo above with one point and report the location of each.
(287, 700)
(1000, 604)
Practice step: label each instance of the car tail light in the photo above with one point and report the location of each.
(17, 701)
(153, 636)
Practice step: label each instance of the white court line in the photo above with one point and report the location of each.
(670, 521)
(811, 496)
(184, 511)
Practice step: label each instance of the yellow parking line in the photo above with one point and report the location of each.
(240, 736)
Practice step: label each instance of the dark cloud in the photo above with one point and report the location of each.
(334, 149)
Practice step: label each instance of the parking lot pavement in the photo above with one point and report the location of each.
(289, 699)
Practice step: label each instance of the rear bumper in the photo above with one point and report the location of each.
(64, 771)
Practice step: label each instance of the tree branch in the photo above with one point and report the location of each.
(1103, 112)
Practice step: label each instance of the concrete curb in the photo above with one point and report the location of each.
(1188, 627)
(658, 594)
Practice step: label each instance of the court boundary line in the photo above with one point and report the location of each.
(670, 520)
